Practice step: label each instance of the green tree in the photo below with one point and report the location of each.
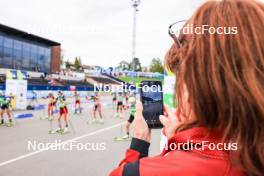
(62, 57)
(77, 63)
(124, 65)
(68, 64)
(135, 65)
(156, 66)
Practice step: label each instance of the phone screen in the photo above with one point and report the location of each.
(152, 100)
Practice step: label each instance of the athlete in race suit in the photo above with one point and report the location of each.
(132, 103)
(51, 105)
(63, 111)
(126, 97)
(34, 99)
(97, 107)
(114, 100)
(120, 105)
(5, 103)
(77, 102)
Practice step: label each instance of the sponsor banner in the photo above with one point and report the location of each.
(168, 91)
(17, 89)
(168, 99)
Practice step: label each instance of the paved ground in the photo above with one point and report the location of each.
(17, 160)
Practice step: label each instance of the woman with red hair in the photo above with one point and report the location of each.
(219, 125)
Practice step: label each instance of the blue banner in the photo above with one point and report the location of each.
(56, 88)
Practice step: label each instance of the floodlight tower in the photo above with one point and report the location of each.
(135, 4)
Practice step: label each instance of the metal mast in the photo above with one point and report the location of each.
(135, 4)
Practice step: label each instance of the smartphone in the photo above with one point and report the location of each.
(152, 99)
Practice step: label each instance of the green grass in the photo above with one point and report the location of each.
(137, 80)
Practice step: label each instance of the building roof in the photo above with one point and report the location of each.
(23, 34)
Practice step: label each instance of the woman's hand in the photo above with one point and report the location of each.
(170, 122)
(142, 130)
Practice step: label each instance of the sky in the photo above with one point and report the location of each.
(100, 31)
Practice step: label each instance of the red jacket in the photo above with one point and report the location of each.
(194, 162)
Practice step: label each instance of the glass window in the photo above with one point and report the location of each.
(33, 57)
(8, 42)
(8, 52)
(47, 59)
(17, 45)
(1, 49)
(17, 52)
(21, 54)
(41, 58)
(25, 56)
(1, 40)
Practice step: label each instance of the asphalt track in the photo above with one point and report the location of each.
(102, 155)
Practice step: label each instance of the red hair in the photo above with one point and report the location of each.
(224, 76)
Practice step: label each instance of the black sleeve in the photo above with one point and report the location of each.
(141, 146)
(132, 169)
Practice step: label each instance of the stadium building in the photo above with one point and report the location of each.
(36, 60)
(23, 51)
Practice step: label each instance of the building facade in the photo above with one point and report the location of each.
(23, 51)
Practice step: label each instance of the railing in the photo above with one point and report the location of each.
(63, 77)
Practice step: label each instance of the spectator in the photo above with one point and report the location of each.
(220, 83)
